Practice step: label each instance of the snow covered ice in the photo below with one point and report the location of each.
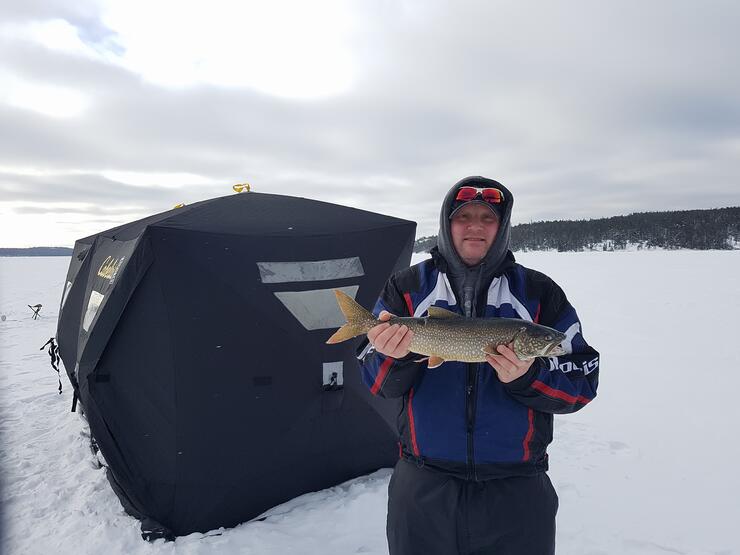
(648, 468)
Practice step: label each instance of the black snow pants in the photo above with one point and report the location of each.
(431, 513)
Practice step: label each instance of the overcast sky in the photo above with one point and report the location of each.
(112, 110)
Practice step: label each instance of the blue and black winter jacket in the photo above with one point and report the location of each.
(459, 418)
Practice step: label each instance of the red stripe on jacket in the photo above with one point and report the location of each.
(412, 427)
(409, 304)
(529, 435)
(382, 373)
(557, 394)
(386, 366)
(530, 412)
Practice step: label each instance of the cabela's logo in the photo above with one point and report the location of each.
(109, 268)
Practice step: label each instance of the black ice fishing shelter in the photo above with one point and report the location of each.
(194, 340)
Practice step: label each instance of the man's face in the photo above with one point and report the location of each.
(474, 228)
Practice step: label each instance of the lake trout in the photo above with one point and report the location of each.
(446, 335)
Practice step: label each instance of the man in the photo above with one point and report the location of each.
(472, 471)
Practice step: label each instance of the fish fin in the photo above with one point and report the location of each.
(518, 344)
(347, 331)
(422, 359)
(435, 362)
(438, 312)
(359, 320)
(490, 350)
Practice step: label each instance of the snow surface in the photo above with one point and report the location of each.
(650, 467)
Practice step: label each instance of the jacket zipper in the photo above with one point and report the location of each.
(470, 402)
(472, 389)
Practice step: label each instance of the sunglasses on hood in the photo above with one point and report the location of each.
(490, 195)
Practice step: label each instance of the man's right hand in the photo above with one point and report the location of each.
(391, 340)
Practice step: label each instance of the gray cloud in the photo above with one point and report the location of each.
(107, 196)
(583, 109)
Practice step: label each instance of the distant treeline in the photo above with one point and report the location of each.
(37, 251)
(717, 228)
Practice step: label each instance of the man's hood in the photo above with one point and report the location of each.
(498, 257)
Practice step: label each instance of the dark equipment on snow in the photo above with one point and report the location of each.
(195, 343)
(36, 309)
(54, 356)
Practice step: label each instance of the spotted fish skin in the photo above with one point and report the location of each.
(445, 335)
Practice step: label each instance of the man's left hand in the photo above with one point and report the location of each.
(507, 364)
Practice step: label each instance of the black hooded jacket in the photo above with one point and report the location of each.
(460, 418)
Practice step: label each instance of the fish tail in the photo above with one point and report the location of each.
(359, 320)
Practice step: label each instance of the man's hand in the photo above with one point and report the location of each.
(391, 340)
(507, 364)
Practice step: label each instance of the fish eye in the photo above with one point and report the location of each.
(548, 338)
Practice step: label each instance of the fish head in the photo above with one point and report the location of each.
(538, 341)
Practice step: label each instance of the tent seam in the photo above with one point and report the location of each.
(174, 375)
